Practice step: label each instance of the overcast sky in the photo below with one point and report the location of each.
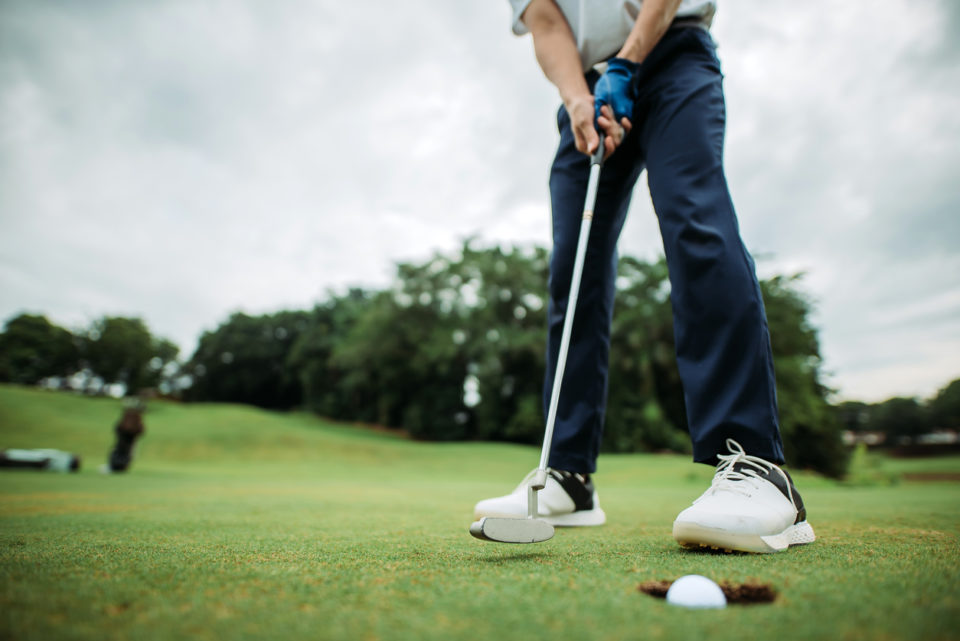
(179, 160)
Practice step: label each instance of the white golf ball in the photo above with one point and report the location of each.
(695, 591)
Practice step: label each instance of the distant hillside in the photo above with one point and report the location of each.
(224, 435)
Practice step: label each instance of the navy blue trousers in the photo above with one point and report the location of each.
(720, 328)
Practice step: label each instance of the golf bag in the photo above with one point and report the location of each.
(46, 460)
(127, 430)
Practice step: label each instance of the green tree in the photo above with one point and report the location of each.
(809, 426)
(645, 410)
(399, 374)
(33, 348)
(499, 315)
(122, 350)
(164, 369)
(945, 407)
(245, 361)
(854, 416)
(901, 419)
(310, 357)
(457, 344)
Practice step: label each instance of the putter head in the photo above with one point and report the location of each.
(504, 530)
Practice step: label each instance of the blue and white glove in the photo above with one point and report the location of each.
(617, 88)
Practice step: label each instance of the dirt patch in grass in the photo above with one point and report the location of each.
(748, 592)
(655, 588)
(741, 593)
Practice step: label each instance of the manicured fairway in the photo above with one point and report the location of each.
(236, 523)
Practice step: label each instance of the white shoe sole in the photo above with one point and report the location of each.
(692, 535)
(583, 518)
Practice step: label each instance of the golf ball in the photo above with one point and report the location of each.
(695, 591)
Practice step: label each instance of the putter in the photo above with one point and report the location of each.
(533, 529)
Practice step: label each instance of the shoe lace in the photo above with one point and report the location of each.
(527, 479)
(530, 476)
(738, 466)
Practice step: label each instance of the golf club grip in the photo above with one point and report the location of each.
(571, 310)
(597, 157)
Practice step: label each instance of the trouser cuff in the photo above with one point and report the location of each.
(575, 464)
(768, 448)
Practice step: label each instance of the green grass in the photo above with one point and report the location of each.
(237, 523)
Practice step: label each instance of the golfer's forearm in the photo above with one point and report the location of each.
(560, 67)
(556, 49)
(652, 22)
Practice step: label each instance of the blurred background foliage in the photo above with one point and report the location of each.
(454, 350)
(111, 351)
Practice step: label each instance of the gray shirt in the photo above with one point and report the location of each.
(600, 27)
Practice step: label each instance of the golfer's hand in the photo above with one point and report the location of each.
(584, 126)
(617, 87)
(614, 132)
(615, 94)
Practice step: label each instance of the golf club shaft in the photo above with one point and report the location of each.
(595, 163)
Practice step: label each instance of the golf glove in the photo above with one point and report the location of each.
(617, 88)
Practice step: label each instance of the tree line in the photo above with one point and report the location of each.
(111, 350)
(453, 350)
(901, 420)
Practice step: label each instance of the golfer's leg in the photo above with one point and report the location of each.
(580, 412)
(722, 341)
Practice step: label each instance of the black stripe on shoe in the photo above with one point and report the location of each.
(780, 483)
(578, 486)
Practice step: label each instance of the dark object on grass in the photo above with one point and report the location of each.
(128, 429)
(750, 592)
(46, 460)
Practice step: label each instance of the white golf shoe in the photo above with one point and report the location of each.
(567, 500)
(751, 506)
